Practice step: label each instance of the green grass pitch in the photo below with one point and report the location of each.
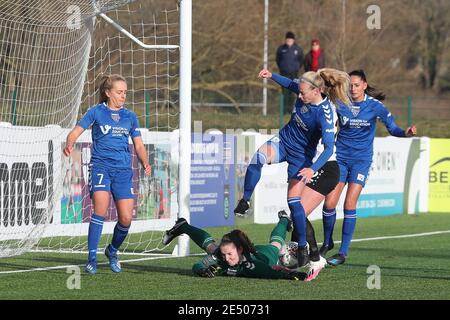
(415, 267)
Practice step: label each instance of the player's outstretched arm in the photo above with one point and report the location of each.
(389, 121)
(282, 81)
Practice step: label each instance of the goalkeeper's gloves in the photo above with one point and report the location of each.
(209, 260)
(208, 272)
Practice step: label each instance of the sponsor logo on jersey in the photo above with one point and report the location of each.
(118, 131)
(105, 129)
(231, 272)
(300, 122)
(359, 123)
(344, 120)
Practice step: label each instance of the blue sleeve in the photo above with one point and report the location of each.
(388, 119)
(134, 125)
(327, 125)
(88, 119)
(286, 82)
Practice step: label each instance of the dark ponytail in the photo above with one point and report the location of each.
(106, 83)
(240, 240)
(371, 91)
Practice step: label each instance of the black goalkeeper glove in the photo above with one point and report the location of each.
(207, 267)
(209, 260)
(209, 272)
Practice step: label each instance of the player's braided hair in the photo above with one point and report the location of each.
(106, 83)
(371, 91)
(332, 82)
(240, 240)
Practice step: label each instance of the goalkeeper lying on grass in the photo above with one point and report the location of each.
(236, 255)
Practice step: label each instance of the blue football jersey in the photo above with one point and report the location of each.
(357, 127)
(308, 124)
(110, 132)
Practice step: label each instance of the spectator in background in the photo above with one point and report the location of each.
(315, 59)
(289, 60)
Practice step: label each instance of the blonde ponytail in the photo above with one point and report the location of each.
(336, 85)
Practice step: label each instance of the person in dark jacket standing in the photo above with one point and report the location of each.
(289, 60)
(315, 59)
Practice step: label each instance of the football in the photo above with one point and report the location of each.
(288, 255)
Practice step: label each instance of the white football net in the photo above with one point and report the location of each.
(52, 54)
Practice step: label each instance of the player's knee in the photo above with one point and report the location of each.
(125, 221)
(329, 205)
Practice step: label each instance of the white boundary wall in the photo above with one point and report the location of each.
(37, 152)
(397, 183)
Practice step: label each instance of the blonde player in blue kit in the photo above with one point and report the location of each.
(110, 167)
(296, 144)
(354, 152)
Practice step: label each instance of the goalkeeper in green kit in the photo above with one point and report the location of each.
(236, 255)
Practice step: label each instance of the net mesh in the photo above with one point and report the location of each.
(52, 55)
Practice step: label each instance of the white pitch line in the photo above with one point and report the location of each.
(100, 263)
(399, 237)
(167, 257)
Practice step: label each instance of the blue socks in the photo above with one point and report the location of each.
(328, 220)
(120, 233)
(299, 219)
(253, 174)
(94, 235)
(347, 230)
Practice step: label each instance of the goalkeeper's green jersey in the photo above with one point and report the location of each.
(257, 265)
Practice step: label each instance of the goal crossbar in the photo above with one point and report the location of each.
(133, 38)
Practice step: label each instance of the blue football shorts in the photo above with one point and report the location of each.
(117, 181)
(354, 171)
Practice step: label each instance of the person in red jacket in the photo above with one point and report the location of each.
(315, 59)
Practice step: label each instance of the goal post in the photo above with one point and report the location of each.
(52, 55)
(185, 117)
